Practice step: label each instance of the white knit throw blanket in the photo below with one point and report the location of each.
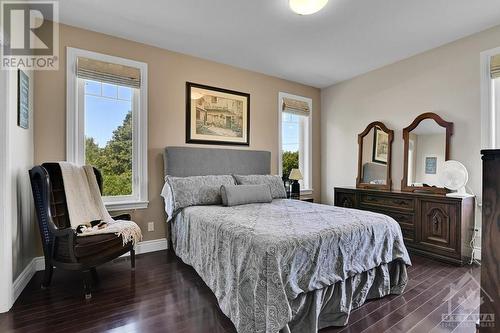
(85, 204)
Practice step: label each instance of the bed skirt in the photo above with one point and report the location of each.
(332, 305)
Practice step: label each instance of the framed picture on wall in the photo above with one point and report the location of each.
(23, 100)
(380, 146)
(217, 116)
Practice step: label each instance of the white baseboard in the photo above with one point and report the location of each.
(141, 248)
(477, 253)
(38, 264)
(150, 246)
(23, 279)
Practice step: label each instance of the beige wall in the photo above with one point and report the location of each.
(168, 73)
(445, 80)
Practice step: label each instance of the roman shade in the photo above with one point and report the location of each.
(102, 71)
(295, 106)
(495, 67)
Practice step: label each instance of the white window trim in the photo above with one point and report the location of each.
(307, 172)
(75, 141)
(490, 123)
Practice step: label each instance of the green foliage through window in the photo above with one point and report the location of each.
(290, 160)
(114, 160)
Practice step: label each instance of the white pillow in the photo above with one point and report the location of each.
(168, 197)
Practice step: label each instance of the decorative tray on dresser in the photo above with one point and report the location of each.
(433, 225)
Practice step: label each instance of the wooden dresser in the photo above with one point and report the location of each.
(490, 243)
(433, 225)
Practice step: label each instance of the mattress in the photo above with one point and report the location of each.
(267, 263)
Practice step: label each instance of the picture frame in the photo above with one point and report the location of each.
(380, 146)
(217, 116)
(23, 100)
(430, 165)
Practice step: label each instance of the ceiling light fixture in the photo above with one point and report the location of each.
(307, 7)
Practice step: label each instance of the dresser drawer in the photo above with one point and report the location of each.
(386, 201)
(408, 234)
(405, 219)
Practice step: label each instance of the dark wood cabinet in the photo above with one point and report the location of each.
(490, 246)
(433, 225)
(438, 229)
(345, 199)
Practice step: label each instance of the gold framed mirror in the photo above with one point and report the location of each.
(375, 157)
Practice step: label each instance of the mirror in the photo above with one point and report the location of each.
(426, 144)
(374, 157)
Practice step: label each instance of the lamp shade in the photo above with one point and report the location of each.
(295, 174)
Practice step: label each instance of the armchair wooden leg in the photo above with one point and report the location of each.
(132, 259)
(47, 275)
(87, 283)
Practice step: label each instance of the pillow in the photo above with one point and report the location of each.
(196, 190)
(168, 197)
(274, 182)
(234, 195)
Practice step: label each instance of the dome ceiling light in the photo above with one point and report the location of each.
(307, 7)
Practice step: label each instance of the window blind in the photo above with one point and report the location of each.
(297, 107)
(495, 67)
(102, 71)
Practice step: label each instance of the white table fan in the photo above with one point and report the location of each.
(454, 176)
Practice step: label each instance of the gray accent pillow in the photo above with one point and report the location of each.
(197, 190)
(234, 195)
(274, 182)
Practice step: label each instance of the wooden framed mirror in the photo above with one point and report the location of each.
(426, 147)
(374, 157)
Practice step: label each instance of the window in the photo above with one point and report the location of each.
(490, 98)
(295, 137)
(495, 104)
(107, 124)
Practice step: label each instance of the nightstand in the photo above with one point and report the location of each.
(305, 198)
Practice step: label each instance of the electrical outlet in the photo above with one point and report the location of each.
(151, 226)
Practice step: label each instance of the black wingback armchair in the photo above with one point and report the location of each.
(61, 246)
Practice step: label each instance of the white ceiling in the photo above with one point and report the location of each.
(345, 39)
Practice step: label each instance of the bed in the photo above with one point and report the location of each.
(287, 265)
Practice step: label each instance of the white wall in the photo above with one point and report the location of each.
(429, 146)
(17, 224)
(5, 209)
(445, 80)
(368, 147)
(20, 161)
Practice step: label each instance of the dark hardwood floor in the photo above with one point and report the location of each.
(165, 295)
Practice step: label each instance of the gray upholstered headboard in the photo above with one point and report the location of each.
(374, 172)
(190, 161)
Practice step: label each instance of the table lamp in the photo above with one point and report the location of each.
(295, 175)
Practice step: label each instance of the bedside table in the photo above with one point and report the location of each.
(304, 198)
